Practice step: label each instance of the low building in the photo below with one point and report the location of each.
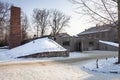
(90, 37)
(68, 42)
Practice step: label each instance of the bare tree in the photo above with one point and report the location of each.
(119, 29)
(102, 11)
(40, 19)
(58, 21)
(25, 25)
(4, 20)
(98, 11)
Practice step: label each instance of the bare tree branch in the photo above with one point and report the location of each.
(95, 12)
(58, 21)
(108, 11)
(40, 18)
(4, 20)
(104, 10)
(25, 25)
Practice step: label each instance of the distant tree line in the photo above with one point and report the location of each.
(49, 20)
(4, 22)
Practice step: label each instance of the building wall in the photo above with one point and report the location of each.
(107, 47)
(89, 44)
(113, 35)
(91, 41)
(73, 42)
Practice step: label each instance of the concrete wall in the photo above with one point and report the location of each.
(73, 42)
(62, 40)
(110, 35)
(107, 47)
(89, 44)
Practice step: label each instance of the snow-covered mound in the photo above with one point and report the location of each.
(36, 46)
(109, 43)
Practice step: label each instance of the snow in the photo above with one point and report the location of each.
(71, 56)
(36, 46)
(109, 43)
(4, 47)
(43, 69)
(2, 50)
(104, 66)
(7, 58)
(89, 32)
(75, 67)
(53, 70)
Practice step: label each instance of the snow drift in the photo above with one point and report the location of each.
(36, 46)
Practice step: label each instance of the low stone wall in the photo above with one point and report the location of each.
(47, 54)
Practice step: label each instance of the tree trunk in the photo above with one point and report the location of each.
(119, 29)
(37, 31)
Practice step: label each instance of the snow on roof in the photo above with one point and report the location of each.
(63, 35)
(89, 32)
(109, 43)
(96, 29)
(36, 46)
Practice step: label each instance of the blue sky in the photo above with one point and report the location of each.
(77, 24)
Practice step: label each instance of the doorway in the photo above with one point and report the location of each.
(79, 46)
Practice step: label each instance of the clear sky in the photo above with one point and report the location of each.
(77, 24)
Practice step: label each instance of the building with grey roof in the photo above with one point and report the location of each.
(90, 37)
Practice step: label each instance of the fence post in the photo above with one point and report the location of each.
(97, 64)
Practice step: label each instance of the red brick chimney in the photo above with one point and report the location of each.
(15, 27)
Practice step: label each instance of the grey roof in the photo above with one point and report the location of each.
(63, 35)
(97, 29)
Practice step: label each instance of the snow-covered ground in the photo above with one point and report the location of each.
(103, 66)
(51, 69)
(42, 71)
(54, 70)
(5, 57)
(67, 68)
(39, 46)
(2, 50)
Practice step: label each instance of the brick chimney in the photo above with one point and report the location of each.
(15, 27)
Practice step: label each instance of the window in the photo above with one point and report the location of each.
(66, 43)
(91, 43)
